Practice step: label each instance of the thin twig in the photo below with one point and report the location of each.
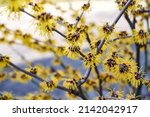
(100, 81)
(79, 17)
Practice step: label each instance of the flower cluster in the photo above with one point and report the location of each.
(109, 56)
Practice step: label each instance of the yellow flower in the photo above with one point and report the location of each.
(76, 35)
(49, 85)
(91, 60)
(34, 70)
(137, 79)
(116, 94)
(108, 78)
(37, 8)
(20, 77)
(6, 96)
(141, 36)
(85, 7)
(56, 62)
(45, 24)
(2, 76)
(137, 11)
(72, 52)
(91, 84)
(38, 96)
(70, 84)
(131, 96)
(3, 61)
(60, 50)
(125, 69)
(18, 34)
(26, 39)
(14, 6)
(109, 64)
(122, 3)
(71, 95)
(2, 27)
(105, 31)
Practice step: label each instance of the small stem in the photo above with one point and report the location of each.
(79, 18)
(85, 77)
(82, 54)
(59, 33)
(22, 10)
(138, 92)
(100, 81)
(124, 37)
(81, 94)
(128, 20)
(146, 58)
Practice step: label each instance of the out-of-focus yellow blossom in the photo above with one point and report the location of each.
(26, 39)
(49, 85)
(6, 96)
(56, 61)
(138, 10)
(122, 3)
(70, 84)
(38, 96)
(108, 78)
(91, 84)
(60, 50)
(4, 61)
(14, 6)
(72, 52)
(18, 34)
(2, 76)
(141, 36)
(20, 77)
(71, 95)
(116, 94)
(37, 9)
(131, 96)
(34, 70)
(85, 7)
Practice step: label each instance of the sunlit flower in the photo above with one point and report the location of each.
(122, 3)
(125, 69)
(20, 77)
(38, 96)
(116, 94)
(6, 96)
(91, 60)
(91, 84)
(45, 24)
(75, 35)
(137, 79)
(49, 85)
(71, 95)
(14, 6)
(2, 76)
(141, 36)
(85, 7)
(70, 84)
(105, 31)
(72, 52)
(3, 61)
